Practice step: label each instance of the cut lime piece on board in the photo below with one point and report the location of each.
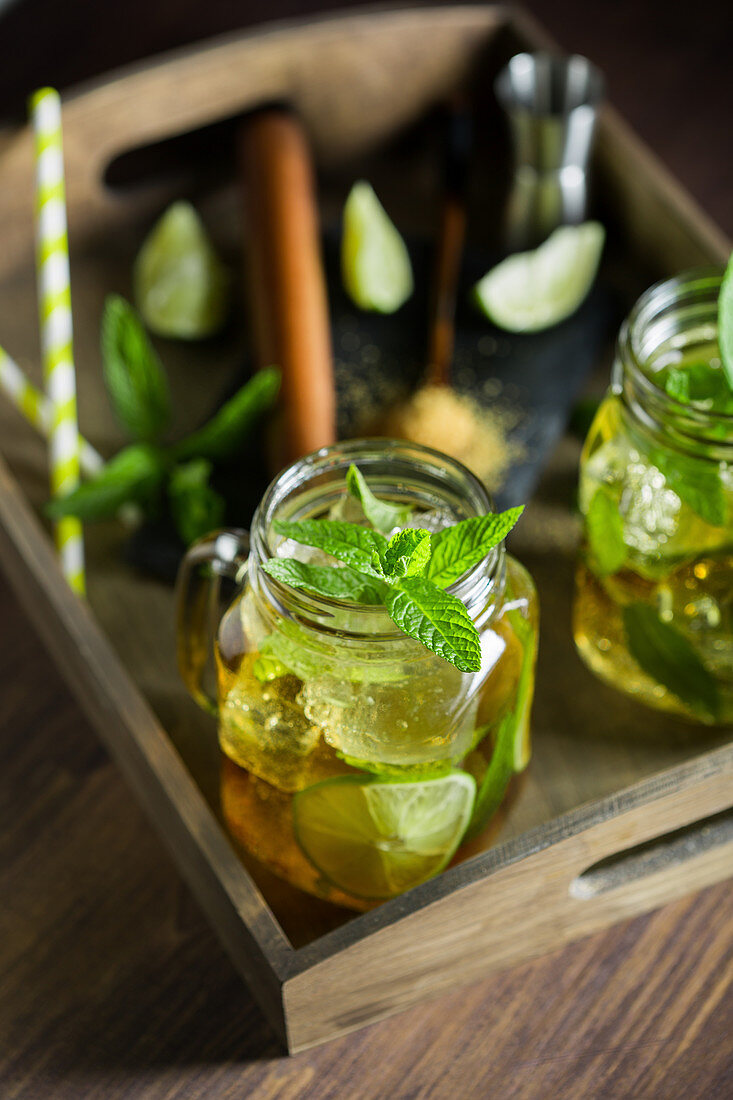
(375, 263)
(531, 291)
(181, 286)
(376, 839)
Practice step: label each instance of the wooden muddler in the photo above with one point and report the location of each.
(451, 237)
(287, 287)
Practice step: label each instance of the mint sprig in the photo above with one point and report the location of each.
(195, 506)
(382, 515)
(133, 374)
(407, 574)
(134, 475)
(148, 472)
(221, 436)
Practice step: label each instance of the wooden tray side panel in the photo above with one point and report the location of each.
(523, 909)
(132, 735)
(308, 67)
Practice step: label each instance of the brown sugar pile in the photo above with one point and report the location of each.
(455, 423)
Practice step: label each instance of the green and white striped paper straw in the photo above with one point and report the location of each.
(35, 407)
(54, 297)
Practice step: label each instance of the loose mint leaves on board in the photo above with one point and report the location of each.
(665, 654)
(221, 436)
(407, 573)
(135, 474)
(605, 530)
(196, 507)
(133, 373)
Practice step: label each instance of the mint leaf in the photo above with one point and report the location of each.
(134, 474)
(355, 546)
(222, 435)
(436, 619)
(701, 383)
(297, 651)
(325, 580)
(382, 515)
(133, 373)
(196, 508)
(457, 549)
(696, 482)
(407, 554)
(664, 653)
(267, 668)
(605, 530)
(677, 385)
(725, 322)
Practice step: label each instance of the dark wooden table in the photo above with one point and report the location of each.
(111, 984)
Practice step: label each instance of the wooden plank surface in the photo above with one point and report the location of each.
(111, 986)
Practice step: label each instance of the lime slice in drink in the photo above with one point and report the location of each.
(181, 286)
(374, 838)
(375, 265)
(531, 291)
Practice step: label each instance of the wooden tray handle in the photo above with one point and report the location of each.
(672, 849)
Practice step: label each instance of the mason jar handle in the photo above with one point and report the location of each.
(211, 570)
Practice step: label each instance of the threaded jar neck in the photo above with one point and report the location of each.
(672, 321)
(402, 472)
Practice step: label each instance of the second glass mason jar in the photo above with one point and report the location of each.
(350, 694)
(654, 595)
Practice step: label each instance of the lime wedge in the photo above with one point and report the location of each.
(531, 291)
(181, 286)
(374, 838)
(375, 265)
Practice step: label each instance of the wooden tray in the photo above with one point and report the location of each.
(622, 809)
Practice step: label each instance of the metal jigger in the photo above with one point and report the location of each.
(551, 102)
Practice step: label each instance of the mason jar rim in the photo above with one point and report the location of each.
(696, 284)
(688, 425)
(478, 581)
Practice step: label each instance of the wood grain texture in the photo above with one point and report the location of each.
(107, 994)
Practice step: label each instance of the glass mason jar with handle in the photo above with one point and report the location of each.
(654, 594)
(356, 759)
